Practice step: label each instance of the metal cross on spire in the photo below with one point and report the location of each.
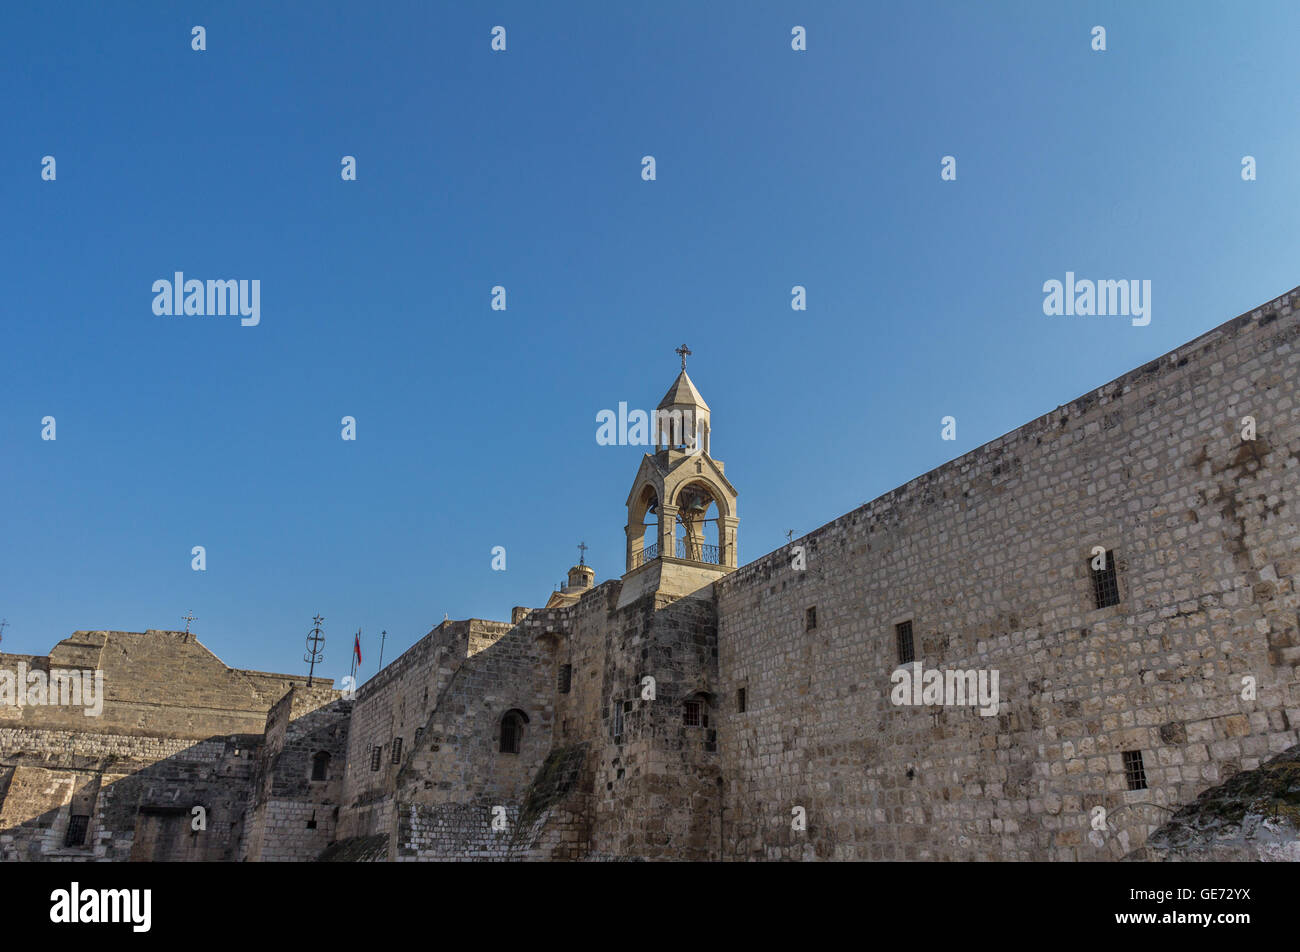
(683, 352)
(187, 618)
(582, 553)
(314, 653)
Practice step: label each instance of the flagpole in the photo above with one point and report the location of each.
(356, 650)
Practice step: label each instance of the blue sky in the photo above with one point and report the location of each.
(475, 427)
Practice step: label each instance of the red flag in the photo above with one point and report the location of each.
(357, 647)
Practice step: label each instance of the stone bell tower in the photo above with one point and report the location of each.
(681, 528)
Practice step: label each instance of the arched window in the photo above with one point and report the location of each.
(320, 766)
(512, 731)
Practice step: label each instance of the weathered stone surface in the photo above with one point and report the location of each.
(1254, 815)
(609, 725)
(178, 730)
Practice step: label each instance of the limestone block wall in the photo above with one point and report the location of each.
(458, 757)
(49, 775)
(178, 729)
(656, 788)
(988, 558)
(292, 815)
(457, 776)
(649, 791)
(396, 703)
(548, 820)
(161, 683)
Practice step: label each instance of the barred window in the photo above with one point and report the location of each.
(1105, 581)
(376, 756)
(693, 713)
(397, 750)
(512, 732)
(906, 650)
(77, 826)
(566, 678)
(1134, 772)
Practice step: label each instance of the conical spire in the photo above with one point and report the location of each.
(682, 394)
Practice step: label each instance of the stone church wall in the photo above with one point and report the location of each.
(396, 703)
(649, 791)
(636, 745)
(178, 729)
(293, 815)
(988, 557)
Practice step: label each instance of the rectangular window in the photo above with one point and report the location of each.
(693, 713)
(810, 619)
(1105, 580)
(906, 650)
(1134, 772)
(740, 701)
(566, 678)
(397, 750)
(618, 722)
(376, 756)
(77, 826)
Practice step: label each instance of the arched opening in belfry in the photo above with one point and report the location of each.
(647, 512)
(697, 536)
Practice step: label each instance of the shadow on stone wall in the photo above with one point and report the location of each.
(257, 799)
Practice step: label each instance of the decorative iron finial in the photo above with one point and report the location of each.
(683, 352)
(314, 651)
(582, 553)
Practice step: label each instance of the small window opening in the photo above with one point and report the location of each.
(1134, 772)
(1105, 581)
(906, 650)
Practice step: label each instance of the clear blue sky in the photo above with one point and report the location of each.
(477, 428)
